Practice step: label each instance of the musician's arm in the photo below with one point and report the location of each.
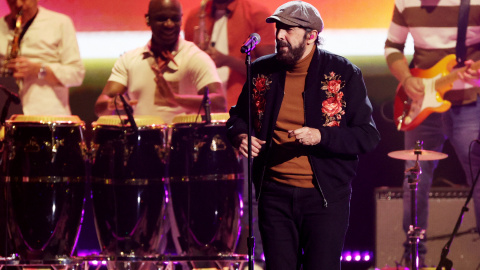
(193, 102)
(103, 105)
(413, 86)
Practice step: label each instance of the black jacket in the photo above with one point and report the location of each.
(343, 116)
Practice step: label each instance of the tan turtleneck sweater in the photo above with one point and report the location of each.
(289, 162)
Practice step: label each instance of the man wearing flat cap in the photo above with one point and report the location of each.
(311, 117)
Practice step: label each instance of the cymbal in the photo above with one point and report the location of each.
(411, 155)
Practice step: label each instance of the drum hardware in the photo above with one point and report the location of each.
(206, 106)
(61, 262)
(218, 144)
(196, 148)
(415, 233)
(126, 149)
(32, 146)
(55, 141)
(85, 152)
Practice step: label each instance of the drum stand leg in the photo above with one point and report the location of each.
(414, 233)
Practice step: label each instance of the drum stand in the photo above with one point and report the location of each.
(414, 233)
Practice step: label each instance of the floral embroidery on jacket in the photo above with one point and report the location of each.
(333, 106)
(261, 85)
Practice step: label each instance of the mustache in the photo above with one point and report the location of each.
(282, 43)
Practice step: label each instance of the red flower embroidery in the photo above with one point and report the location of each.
(333, 106)
(334, 86)
(262, 84)
(260, 104)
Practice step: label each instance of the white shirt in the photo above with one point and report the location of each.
(193, 70)
(50, 39)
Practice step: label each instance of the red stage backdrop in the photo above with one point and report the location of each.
(127, 15)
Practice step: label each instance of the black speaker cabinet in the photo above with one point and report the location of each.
(445, 207)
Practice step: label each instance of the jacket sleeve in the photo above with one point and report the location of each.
(358, 133)
(237, 123)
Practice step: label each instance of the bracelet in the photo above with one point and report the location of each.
(42, 72)
(405, 80)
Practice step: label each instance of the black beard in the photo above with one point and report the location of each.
(291, 57)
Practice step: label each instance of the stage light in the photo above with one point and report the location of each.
(356, 256)
(367, 256)
(347, 255)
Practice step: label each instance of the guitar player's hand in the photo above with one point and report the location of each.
(414, 87)
(470, 75)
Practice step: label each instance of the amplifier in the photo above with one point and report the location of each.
(445, 207)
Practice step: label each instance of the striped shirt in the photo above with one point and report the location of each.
(433, 26)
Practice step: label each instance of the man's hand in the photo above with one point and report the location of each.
(470, 75)
(23, 68)
(414, 87)
(166, 94)
(306, 135)
(219, 58)
(243, 146)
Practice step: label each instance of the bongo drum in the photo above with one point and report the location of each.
(44, 170)
(205, 181)
(128, 191)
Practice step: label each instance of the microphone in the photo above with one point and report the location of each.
(206, 106)
(250, 43)
(129, 111)
(13, 96)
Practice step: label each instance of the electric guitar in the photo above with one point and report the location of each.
(408, 113)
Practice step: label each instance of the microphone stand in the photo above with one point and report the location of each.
(129, 111)
(251, 238)
(206, 107)
(444, 261)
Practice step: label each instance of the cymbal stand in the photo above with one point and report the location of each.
(414, 233)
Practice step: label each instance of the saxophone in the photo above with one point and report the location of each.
(201, 37)
(14, 46)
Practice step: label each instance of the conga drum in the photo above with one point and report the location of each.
(206, 184)
(128, 191)
(44, 174)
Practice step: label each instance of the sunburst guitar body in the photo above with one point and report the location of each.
(438, 80)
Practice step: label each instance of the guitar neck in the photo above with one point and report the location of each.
(443, 84)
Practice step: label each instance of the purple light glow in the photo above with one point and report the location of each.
(356, 256)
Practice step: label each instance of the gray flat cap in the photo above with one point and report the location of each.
(298, 13)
